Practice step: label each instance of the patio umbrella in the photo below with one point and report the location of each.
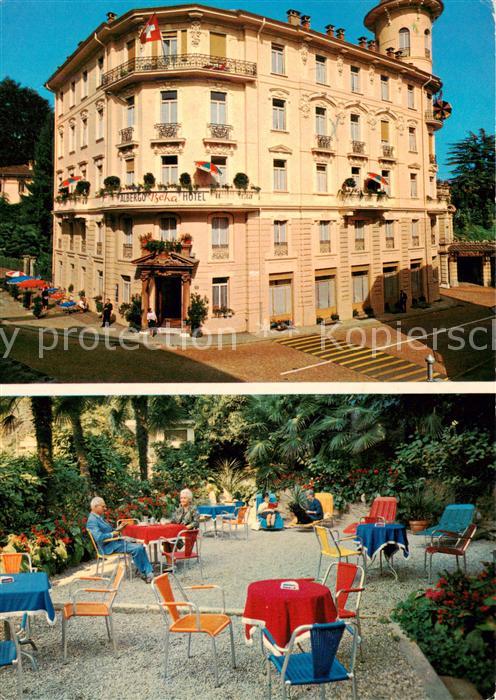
(67, 304)
(17, 280)
(208, 167)
(442, 109)
(70, 181)
(14, 273)
(32, 284)
(375, 177)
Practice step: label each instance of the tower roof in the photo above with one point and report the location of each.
(434, 7)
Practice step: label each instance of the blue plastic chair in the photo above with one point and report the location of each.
(455, 518)
(10, 655)
(319, 666)
(279, 523)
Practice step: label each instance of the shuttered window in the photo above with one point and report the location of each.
(217, 44)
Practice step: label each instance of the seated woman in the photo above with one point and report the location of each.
(187, 515)
(310, 513)
(266, 511)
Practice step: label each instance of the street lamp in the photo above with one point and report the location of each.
(430, 367)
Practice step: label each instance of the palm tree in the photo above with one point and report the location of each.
(68, 410)
(41, 410)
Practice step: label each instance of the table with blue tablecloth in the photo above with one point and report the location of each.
(28, 592)
(217, 510)
(377, 539)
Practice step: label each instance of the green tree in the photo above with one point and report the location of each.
(472, 186)
(69, 410)
(22, 115)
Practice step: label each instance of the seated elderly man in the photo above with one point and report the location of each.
(311, 512)
(109, 541)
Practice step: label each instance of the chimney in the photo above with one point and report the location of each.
(329, 29)
(362, 41)
(372, 45)
(390, 52)
(294, 17)
(340, 33)
(305, 21)
(111, 16)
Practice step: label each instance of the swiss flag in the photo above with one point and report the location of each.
(151, 31)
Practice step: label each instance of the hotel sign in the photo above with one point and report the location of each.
(182, 197)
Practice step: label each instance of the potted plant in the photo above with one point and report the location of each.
(185, 180)
(349, 183)
(148, 181)
(37, 307)
(419, 507)
(82, 188)
(197, 313)
(112, 183)
(132, 312)
(241, 181)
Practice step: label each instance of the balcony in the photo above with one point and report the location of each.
(99, 249)
(126, 134)
(432, 159)
(387, 152)
(167, 131)
(127, 250)
(83, 246)
(281, 249)
(220, 252)
(220, 131)
(358, 149)
(167, 135)
(175, 196)
(432, 120)
(359, 244)
(196, 64)
(389, 243)
(323, 144)
(324, 247)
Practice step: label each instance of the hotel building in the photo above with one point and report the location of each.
(310, 118)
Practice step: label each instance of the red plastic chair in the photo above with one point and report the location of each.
(186, 548)
(383, 509)
(350, 579)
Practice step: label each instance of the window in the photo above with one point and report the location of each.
(169, 43)
(218, 113)
(359, 235)
(278, 59)
(386, 174)
(127, 231)
(99, 70)
(280, 298)
(389, 227)
(221, 163)
(168, 107)
(73, 93)
(280, 237)
(84, 84)
(324, 236)
(404, 41)
(321, 70)
(427, 43)
(415, 233)
(279, 115)
(416, 280)
(218, 44)
(84, 132)
(220, 232)
(116, 293)
(61, 102)
(99, 238)
(130, 111)
(325, 292)
(384, 132)
(391, 284)
(99, 123)
(130, 171)
(168, 229)
(220, 292)
(126, 289)
(20, 186)
(99, 283)
(355, 174)
(412, 139)
(384, 87)
(170, 174)
(320, 121)
(280, 176)
(61, 143)
(355, 79)
(432, 187)
(411, 97)
(72, 138)
(355, 127)
(360, 283)
(413, 185)
(321, 178)
(99, 174)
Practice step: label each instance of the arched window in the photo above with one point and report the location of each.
(168, 229)
(404, 39)
(427, 43)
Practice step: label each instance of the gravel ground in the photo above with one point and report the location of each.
(135, 671)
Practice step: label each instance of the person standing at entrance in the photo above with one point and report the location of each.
(403, 300)
(151, 319)
(107, 314)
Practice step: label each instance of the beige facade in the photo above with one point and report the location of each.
(306, 116)
(13, 181)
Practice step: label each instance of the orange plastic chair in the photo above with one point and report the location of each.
(240, 521)
(383, 509)
(12, 562)
(458, 549)
(101, 608)
(193, 621)
(186, 548)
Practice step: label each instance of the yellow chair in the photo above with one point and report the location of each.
(12, 562)
(331, 546)
(192, 622)
(101, 608)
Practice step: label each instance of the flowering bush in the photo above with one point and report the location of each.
(156, 506)
(454, 625)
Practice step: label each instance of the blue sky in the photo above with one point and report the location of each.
(37, 35)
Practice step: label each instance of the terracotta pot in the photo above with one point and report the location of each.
(418, 525)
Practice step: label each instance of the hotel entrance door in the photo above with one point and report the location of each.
(169, 301)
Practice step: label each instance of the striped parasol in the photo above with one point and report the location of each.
(18, 280)
(14, 273)
(69, 181)
(208, 167)
(32, 284)
(441, 109)
(375, 177)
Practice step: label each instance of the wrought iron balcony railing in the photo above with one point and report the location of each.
(220, 131)
(169, 130)
(220, 252)
(389, 243)
(358, 147)
(126, 134)
(323, 141)
(432, 159)
(325, 246)
(431, 117)
(387, 151)
(180, 62)
(99, 248)
(359, 244)
(127, 250)
(280, 249)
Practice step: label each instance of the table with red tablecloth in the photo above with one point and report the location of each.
(150, 533)
(281, 610)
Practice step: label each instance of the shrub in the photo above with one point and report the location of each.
(454, 625)
(132, 312)
(197, 312)
(26, 299)
(149, 180)
(241, 181)
(37, 307)
(112, 182)
(21, 499)
(177, 468)
(98, 303)
(82, 188)
(185, 180)
(70, 288)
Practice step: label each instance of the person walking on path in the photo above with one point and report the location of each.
(151, 319)
(44, 297)
(107, 314)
